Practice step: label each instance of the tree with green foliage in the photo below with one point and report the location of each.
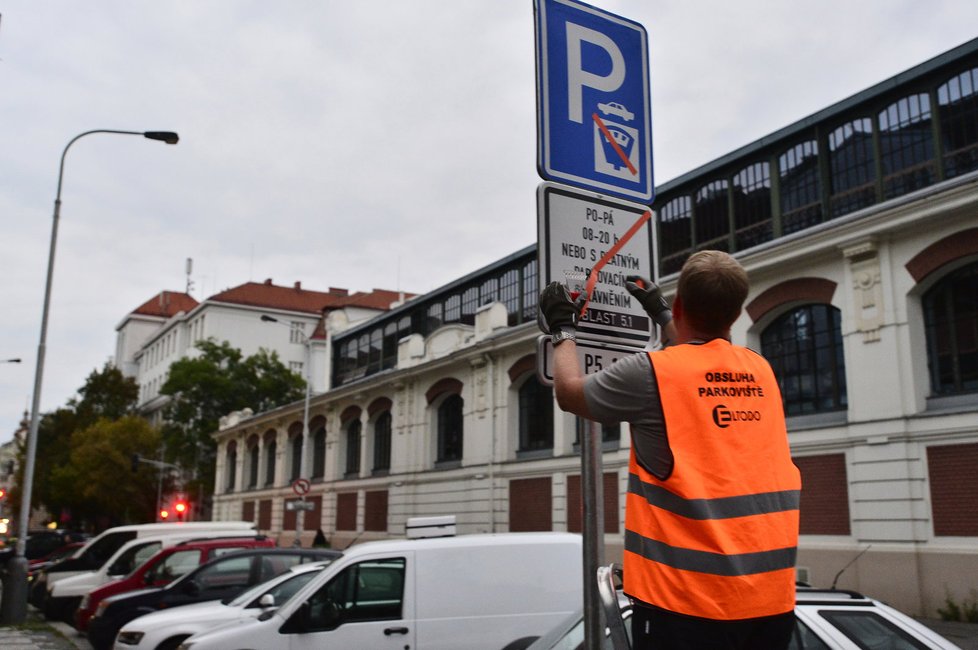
(204, 388)
(97, 483)
(106, 394)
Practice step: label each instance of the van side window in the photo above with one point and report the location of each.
(368, 591)
(133, 557)
(176, 564)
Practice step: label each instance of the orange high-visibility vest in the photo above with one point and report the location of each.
(718, 537)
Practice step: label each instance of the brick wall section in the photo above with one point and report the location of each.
(375, 511)
(346, 511)
(248, 511)
(939, 253)
(817, 290)
(575, 504)
(954, 489)
(265, 514)
(530, 505)
(312, 518)
(824, 495)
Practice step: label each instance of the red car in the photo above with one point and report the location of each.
(167, 565)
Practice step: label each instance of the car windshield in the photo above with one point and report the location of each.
(276, 586)
(871, 631)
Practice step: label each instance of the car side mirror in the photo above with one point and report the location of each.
(268, 600)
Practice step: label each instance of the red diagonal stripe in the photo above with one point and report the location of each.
(614, 145)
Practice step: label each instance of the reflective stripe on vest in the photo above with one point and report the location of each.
(718, 538)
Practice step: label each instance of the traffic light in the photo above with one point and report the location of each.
(3, 493)
(181, 509)
(164, 514)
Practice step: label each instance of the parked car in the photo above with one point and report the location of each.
(825, 619)
(167, 628)
(471, 591)
(34, 567)
(168, 564)
(42, 542)
(100, 548)
(221, 578)
(64, 596)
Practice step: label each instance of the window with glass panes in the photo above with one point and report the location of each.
(951, 330)
(906, 145)
(271, 448)
(530, 291)
(296, 443)
(851, 164)
(804, 347)
(957, 101)
(253, 450)
(800, 187)
(675, 233)
(319, 450)
(536, 416)
(382, 442)
(752, 205)
(231, 465)
(353, 429)
(450, 435)
(509, 293)
(712, 216)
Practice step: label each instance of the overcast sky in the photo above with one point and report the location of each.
(385, 144)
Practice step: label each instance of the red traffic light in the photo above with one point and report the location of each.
(180, 507)
(164, 514)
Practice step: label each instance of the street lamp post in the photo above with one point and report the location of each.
(300, 514)
(13, 608)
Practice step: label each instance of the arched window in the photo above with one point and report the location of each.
(675, 233)
(801, 187)
(382, 442)
(752, 205)
(253, 449)
(450, 436)
(958, 102)
(231, 465)
(271, 450)
(712, 216)
(319, 449)
(536, 412)
(353, 448)
(852, 170)
(906, 145)
(296, 443)
(804, 346)
(951, 328)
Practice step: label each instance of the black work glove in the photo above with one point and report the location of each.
(650, 297)
(556, 310)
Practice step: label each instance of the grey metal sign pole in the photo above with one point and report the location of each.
(592, 494)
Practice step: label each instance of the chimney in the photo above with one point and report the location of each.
(339, 292)
(268, 282)
(298, 286)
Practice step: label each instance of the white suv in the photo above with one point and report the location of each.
(825, 619)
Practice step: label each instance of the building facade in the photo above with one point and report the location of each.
(858, 227)
(291, 321)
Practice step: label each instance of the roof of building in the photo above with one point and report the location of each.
(166, 304)
(295, 298)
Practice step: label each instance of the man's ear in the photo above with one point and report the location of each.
(677, 308)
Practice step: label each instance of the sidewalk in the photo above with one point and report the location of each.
(38, 634)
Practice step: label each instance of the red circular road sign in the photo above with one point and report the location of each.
(301, 486)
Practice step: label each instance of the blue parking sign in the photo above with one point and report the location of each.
(593, 104)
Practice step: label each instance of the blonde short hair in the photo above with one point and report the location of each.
(713, 287)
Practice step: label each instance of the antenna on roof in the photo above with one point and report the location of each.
(189, 270)
(851, 562)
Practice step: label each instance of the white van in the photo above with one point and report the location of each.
(97, 551)
(65, 594)
(473, 591)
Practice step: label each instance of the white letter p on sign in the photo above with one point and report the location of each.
(577, 77)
